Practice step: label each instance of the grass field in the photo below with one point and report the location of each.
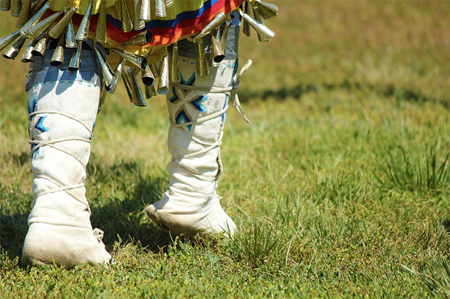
(340, 185)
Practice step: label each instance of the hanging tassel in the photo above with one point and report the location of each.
(138, 61)
(82, 33)
(75, 61)
(108, 76)
(5, 5)
(140, 39)
(117, 74)
(24, 13)
(264, 33)
(163, 84)
(100, 33)
(218, 20)
(145, 13)
(12, 52)
(138, 98)
(27, 55)
(137, 22)
(16, 6)
(25, 30)
(217, 53)
(127, 23)
(175, 65)
(43, 25)
(266, 10)
(160, 8)
(62, 24)
(150, 91)
(40, 47)
(103, 95)
(126, 82)
(245, 25)
(202, 64)
(147, 76)
(58, 54)
(156, 69)
(9, 39)
(70, 36)
(224, 36)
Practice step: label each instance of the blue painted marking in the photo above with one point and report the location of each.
(183, 118)
(174, 97)
(197, 103)
(224, 118)
(40, 125)
(93, 127)
(36, 152)
(32, 105)
(180, 94)
(189, 81)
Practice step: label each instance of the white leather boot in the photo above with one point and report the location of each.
(62, 117)
(197, 108)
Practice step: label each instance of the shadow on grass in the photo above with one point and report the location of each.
(124, 220)
(122, 217)
(15, 205)
(296, 92)
(13, 230)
